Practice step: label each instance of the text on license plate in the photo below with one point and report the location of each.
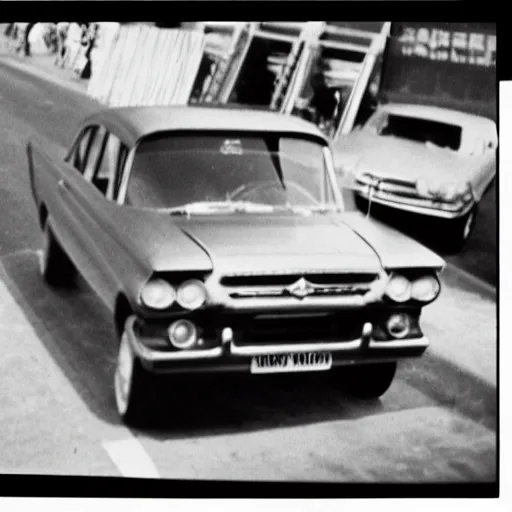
(283, 363)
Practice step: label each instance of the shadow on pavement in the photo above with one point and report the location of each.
(77, 332)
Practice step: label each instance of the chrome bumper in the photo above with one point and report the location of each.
(228, 348)
(420, 206)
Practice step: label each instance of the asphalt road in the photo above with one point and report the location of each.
(436, 423)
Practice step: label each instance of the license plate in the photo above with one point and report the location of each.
(287, 363)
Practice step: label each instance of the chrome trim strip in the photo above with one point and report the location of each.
(410, 343)
(262, 350)
(326, 347)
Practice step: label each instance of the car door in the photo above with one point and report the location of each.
(62, 214)
(99, 247)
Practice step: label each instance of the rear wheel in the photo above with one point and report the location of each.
(132, 386)
(460, 230)
(368, 381)
(54, 264)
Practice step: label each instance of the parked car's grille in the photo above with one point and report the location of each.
(389, 186)
(283, 284)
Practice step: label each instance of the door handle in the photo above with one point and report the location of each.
(63, 184)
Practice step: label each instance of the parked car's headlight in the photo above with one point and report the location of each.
(158, 294)
(453, 191)
(428, 188)
(191, 294)
(447, 191)
(398, 288)
(426, 288)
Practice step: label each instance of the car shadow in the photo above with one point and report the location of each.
(77, 333)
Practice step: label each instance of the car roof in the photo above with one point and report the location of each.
(131, 124)
(443, 115)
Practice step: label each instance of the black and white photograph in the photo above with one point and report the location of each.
(249, 253)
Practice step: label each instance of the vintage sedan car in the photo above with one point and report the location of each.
(422, 159)
(219, 241)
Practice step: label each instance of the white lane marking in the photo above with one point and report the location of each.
(128, 455)
(130, 458)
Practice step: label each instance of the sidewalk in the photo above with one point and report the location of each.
(465, 349)
(41, 65)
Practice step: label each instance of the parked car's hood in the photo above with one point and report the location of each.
(392, 157)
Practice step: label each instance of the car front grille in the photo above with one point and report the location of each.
(293, 284)
(268, 329)
(390, 186)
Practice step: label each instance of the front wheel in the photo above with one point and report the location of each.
(367, 381)
(460, 230)
(54, 264)
(132, 385)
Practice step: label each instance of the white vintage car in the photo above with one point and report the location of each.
(422, 159)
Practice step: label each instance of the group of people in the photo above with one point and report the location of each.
(71, 42)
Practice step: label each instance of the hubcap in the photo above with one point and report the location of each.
(123, 375)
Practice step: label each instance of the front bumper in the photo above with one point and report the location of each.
(230, 357)
(418, 205)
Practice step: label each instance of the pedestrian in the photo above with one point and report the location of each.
(21, 29)
(26, 41)
(87, 69)
(73, 44)
(62, 30)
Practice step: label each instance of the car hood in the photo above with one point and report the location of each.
(391, 157)
(259, 243)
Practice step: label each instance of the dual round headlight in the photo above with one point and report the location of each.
(423, 289)
(159, 294)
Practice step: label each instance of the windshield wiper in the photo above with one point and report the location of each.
(210, 207)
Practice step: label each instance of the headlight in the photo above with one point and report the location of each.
(399, 288)
(425, 289)
(191, 294)
(447, 191)
(158, 294)
(427, 188)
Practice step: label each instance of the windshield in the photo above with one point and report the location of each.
(440, 134)
(174, 170)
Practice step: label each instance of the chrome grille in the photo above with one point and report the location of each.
(295, 284)
(389, 186)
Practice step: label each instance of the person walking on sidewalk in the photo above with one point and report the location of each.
(62, 30)
(25, 43)
(73, 43)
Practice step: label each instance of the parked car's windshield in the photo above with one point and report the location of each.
(440, 134)
(173, 170)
